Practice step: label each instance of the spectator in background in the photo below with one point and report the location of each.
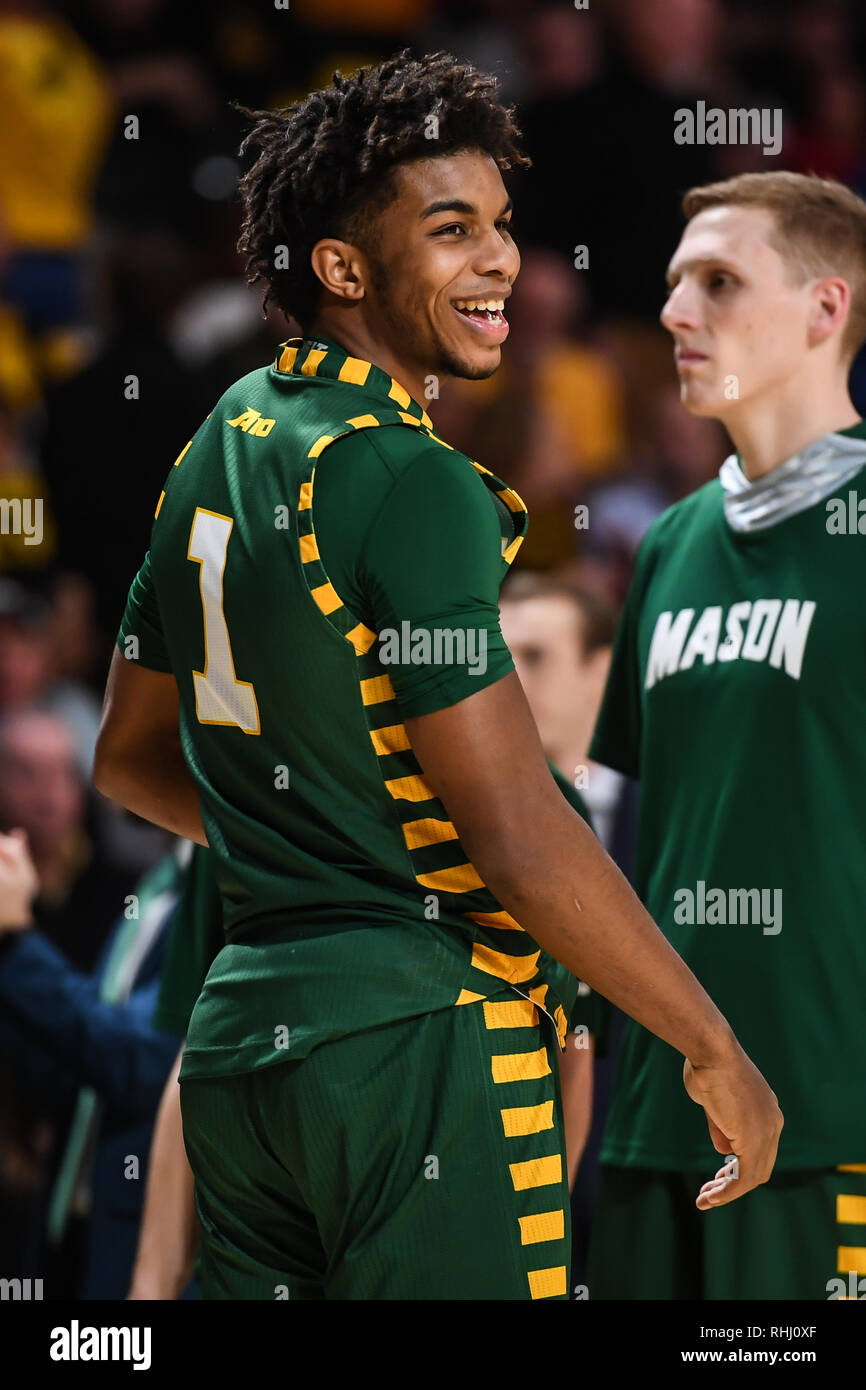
(28, 533)
(118, 413)
(42, 791)
(88, 1040)
(56, 107)
(601, 137)
(29, 674)
(561, 638)
(551, 417)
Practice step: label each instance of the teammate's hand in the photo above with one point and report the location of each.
(744, 1118)
(19, 883)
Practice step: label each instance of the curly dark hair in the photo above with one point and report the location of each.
(324, 164)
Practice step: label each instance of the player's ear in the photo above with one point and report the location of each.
(830, 305)
(339, 266)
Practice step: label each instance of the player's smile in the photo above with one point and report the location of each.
(486, 314)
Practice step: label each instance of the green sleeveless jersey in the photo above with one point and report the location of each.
(322, 567)
(737, 696)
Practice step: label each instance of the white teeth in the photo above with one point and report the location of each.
(491, 305)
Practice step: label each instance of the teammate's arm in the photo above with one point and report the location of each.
(483, 758)
(169, 1235)
(139, 761)
(575, 1076)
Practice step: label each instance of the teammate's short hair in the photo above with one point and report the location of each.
(324, 164)
(820, 229)
(598, 618)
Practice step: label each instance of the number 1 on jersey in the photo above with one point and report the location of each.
(220, 698)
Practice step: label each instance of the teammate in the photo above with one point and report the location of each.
(736, 695)
(310, 669)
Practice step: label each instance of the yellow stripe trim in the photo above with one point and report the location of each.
(159, 504)
(309, 549)
(511, 1013)
(321, 443)
(437, 440)
(326, 597)
(527, 1119)
(375, 689)
(494, 919)
(467, 997)
(536, 1172)
(546, 1225)
(547, 1283)
(538, 994)
(519, 1066)
(851, 1168)
(409, 419)
(399, 394)
(851, 1210)
(561, 1023)
(354, 369)
(287, 359)
(305, 497)
(182, 452)
(851, 1257)
(360, 422)
(362, 638)
(516, 969)
(391, 739)
(462, 878)
(313, 361)
(511, 499)
(509, 553)
(421, 833)
(410, 789)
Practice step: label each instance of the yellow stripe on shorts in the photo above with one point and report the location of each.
(851, 1210)
(527, 1119)
(536, 1172)
(519, 1066)
(546, 1225)
(547, 1283)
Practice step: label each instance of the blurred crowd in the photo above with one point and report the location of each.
(123, 317)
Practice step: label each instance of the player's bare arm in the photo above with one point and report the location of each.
(139, 761)
(168, 1238)
(484, 760)
(576, 1080)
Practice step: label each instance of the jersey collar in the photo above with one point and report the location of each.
(322, 357)
(798, 483)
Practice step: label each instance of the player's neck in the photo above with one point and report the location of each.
(356, 340)
(767, 432)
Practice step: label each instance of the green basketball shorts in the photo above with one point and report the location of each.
(801, 1235)
(420, 1160)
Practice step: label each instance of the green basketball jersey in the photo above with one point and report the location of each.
(737, 696)
(322, 567)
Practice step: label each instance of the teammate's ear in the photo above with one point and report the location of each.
(830, 306)
(338, 265)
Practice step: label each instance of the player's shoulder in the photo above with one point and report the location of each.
(248, 390)
(399, 449)
(699, 509)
